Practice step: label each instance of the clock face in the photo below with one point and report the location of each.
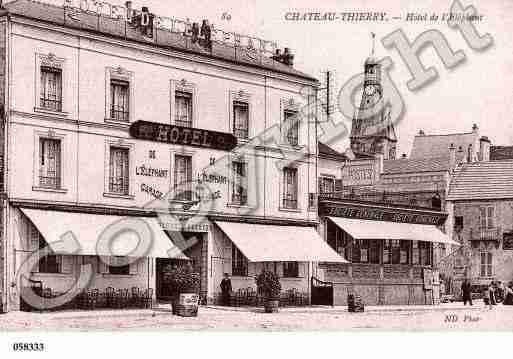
(369, 90)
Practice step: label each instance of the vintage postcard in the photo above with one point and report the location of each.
(269, 166)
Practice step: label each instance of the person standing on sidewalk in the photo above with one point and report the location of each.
(488, 296)
(226, 289)
(466, 292)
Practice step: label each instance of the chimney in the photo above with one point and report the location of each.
(288, 57)
(422, 133)
(452, 157)
(461, 157)
(475, 129)
(484, 149)
(404, 156)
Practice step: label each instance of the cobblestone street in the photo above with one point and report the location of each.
(444, 317)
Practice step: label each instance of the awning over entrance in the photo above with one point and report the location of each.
(273, 243)
(121, 236)
(369, 229)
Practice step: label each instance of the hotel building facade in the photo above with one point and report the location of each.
(113, 120)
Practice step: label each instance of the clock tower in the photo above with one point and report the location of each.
(372, 131)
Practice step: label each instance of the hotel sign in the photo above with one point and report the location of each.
(186, 136)
(382, 214)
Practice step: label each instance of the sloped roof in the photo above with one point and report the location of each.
(404, 165)
(482, 180)
(328, 152)
(435, 146)
(498, 153)
(118, 28)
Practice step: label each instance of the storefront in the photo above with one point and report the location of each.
(390, 250)
(245, 249)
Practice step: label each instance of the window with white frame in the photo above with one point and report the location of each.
(239, 183)
(118, 266)
(290, 187)
(51, 88)
(486, 268)
(291, 127)
(290, 269)
(327, 184)
(49, 263)
(50, 163)
(120, 100)
(241, 119)
(239, 263)
(487, 217)
(119, 170)
(183, 108)
(183, 178)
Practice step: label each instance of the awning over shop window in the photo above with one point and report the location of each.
(273, 243)
(369, 229)
(123, 233)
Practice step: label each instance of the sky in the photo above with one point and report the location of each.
(478, 91)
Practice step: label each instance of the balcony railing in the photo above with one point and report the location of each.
(486, 234)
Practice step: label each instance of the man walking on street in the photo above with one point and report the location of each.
(466, 290)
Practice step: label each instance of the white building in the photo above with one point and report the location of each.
(104, 116)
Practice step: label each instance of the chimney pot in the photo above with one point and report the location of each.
(422, 133)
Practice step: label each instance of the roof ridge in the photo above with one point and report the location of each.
(447, 134)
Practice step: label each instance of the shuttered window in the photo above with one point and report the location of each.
(183, 108)
(240, 119)
(239, 183)
(183, 178)
(487, 217)
(119, 95)
(290, 187)
(291, 127)
(51, 88)
(119, 170)
(486, 268)
(50, 163)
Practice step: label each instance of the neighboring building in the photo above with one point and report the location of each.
(499, 153)
(380, 213)
(373, 133)
(481, 199)
(105, 115)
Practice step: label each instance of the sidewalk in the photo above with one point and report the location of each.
(371, 308)
(165, 310)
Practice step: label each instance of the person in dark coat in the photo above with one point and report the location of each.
(226, 289)
(508, 296)
(467, 292)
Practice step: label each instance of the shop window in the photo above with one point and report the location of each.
(356, 250)
(486, 267)
(183, 108)
(239, 263)
(239, 183)
(374, 251)
(290, 187)
(425, 253)
(291, 127)
(396, 251)
(50, 263)
(118, 267)
(51, 88)
(458, 223)
(183, 178)
(405, 252)
(49, 163)
(387, 251)
(119, 97)
(487, 217)
(241, 119)
(290, 269)
(326, 184)
(415, 253)
(119, 171)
